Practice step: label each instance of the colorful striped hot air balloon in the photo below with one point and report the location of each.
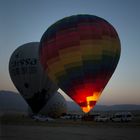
(80, 54)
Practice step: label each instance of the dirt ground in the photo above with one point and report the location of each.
(70, 131)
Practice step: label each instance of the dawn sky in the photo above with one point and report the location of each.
(23, 21)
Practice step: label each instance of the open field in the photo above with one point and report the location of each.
(28, 132)
(15, 128)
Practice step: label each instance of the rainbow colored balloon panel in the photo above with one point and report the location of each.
(80, 54)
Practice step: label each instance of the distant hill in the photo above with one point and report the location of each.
(72, 106)
(11, 101)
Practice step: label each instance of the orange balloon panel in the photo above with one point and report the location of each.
(80, 54)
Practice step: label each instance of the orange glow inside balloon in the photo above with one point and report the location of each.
(86, 96)
(94, 98)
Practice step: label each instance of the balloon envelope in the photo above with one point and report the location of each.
(55, 107)
(28, 76)
(80, 53)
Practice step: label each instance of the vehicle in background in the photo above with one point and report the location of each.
(102, 119)
(71, 117)
(42, 118)
(122, 117)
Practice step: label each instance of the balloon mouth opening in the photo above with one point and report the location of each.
(90, 102)
(87, 109)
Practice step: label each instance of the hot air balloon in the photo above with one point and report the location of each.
(29, 78)
(80, 53)
(55, 107)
